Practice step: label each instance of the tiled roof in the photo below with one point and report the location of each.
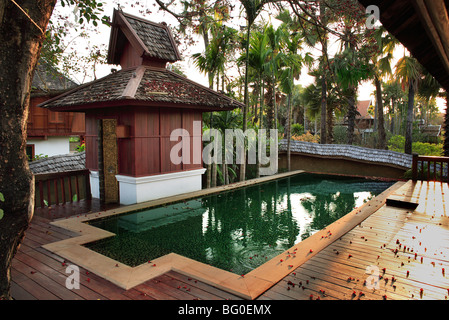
(48, 79)
(349, 152)
(363, 108)
(143, 84)
(156, 38)
(166, 86)
(61, 163)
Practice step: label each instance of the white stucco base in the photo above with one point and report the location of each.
(95, 184)
(53, 146)
(135, 190)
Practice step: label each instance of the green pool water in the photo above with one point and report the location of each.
(236, 230)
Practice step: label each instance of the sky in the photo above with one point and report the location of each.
(102, 32)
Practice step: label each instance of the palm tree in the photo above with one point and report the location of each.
(252, 10)
(409, 71)
(392, 97)
(226, 120)
(291, 63)
(349, 70)
(212, 62)
(258, 60)
(381, 60)
(274, 39)
(324, 61)
(428, 90)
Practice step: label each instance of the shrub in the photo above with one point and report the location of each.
(396, 143)
(297, 129)
(427, 149)
(307, 137)
(340, 134)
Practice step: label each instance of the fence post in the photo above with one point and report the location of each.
(415, 167)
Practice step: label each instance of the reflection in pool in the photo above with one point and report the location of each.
(236, 230)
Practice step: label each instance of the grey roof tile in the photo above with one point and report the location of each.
(350, 152)
(155, 37)
(156, 85)
(60, 163)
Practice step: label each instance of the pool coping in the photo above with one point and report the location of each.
(248, 286)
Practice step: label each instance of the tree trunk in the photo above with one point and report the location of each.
(262, 98)
(289, 130)
(409, 120)
(330, 124)
(382, 144)
(323, 130)
(20, 45)
(446, 128)
(352, 112)
(245, 107)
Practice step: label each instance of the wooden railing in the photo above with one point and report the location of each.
(429, 168)
(61, 187)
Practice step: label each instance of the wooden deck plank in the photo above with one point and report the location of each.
(203, 286)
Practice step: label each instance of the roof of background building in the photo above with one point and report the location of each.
(60, 163)
(49, 80)
(363, 108)
(349, 152)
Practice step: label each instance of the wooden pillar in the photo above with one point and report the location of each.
(107, 160)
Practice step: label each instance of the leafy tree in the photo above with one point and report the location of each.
(350, 70)
(23, 28)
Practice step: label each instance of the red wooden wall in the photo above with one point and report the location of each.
(146, 151)
(43, 122)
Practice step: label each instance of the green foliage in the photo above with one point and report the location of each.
(297, 129)
(340, 134)
(427, 149)
(58, 50)
(397, 142)
(89, 10)
(80, 148)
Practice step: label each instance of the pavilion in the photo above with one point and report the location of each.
(131, 113)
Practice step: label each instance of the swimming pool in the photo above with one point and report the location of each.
(236, 230)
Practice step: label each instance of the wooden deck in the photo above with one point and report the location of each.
(409, 250)
(408, 247)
